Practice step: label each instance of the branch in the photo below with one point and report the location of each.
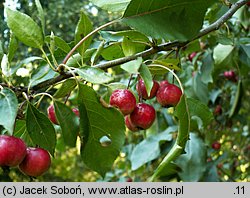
(163, 47)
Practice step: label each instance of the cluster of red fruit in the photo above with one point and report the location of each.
(230, 75)
(31, 161)
(141, 115)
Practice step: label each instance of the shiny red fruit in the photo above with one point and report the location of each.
(230, 75)
(168, 95)
(130, 125)
(76, 111)
(36, 162)
(52, 114)
(143, 116)
(141, 89)
(124, 100)
(216, 145)
(218, 110)
(163, 83)
(129, 180)
(191, 56)
(12, 150)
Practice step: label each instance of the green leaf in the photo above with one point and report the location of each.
(200, 110)
(133, 66)
(24, 62)
(193, 162)
(94, 75)
(25, 28)
(222, 54)
(169, 63)
(1, 50)
(60, 43)
(149, 149)
(237, 99)
(67, 86)
(8, 109)
(167, 19)
(147, 77)
(13, 45)
(128, 47)
(200, 88)
(40, 129)
(207, 69)
(96, 122)
(83, 27)
(112, 52)
(97, 53)
(69, 123)
(112, 5)
(116, 85)
(41, 15)
(5, 66)
(167, 167)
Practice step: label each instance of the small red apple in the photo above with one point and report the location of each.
(143, 116)
(12, 150)
(129, 180)
(216, 145)
(141, 89)
(230, 75)
(124, 100)
(191, 56)
(218, 110)
(129, 124)
(76, 111)
(52, 114)
(163, 83)
(168, 95)
(36, 162)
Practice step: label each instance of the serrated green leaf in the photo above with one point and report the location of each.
(13, 45)
(1, 50)
(182, 113)
(25, 28)
(237, 99)
(69, 123)
(133, 66)
(207, 69)
(94, 75)
(8, 109)
(5, 66)
(67, 86)
(112, 5)
(166, 18)
(200, 88)
(166, 63)
(97, 53)
(147, 77)
(222, 54)
(112, 52)
(96, 122)
(128, 47)
(198, 109)
(24, 62)
(60, 43)
(193, 162)
(116, 85)
(41, 15)
(40, 129)
(83, 27)
(149, 149)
